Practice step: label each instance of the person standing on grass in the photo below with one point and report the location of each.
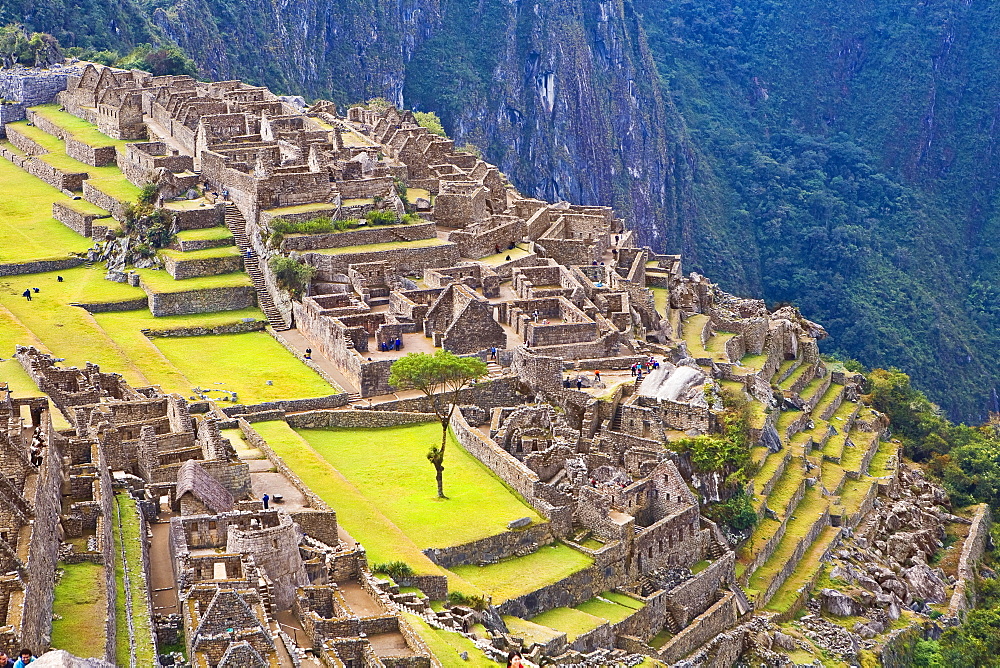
(26, 294)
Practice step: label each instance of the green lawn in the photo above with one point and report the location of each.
(77, 127)
(203, 254)
(574, 623)
(661, 299)
(244, 363)
(129, 536)
(806, 570)
(205, 234)
(161, 282)
(400, 483)
(692, 329)
(314, 207)
(530, 632)
(382, 539)
(27, 229)
(500, 258)
(515, 577)
(611, 611)
(81, 604)
(447, 645)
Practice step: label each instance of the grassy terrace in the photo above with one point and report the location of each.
(523, 575)
(203, 254)
(145, 652)
(828, 398)
(205, 234)
(78, 128)
(787, 383)
(610, 608)
(158, 281)
(108, 180)
(81, 606)
(529, 631)
(390, 245)
(804, 572)
(832, 476)
(769, 468)
(811, 388)
(879, 464)
(447, 646)
(806, 513)
(115, 340)
(574, 623)
(660, 299)
(28, 231)
(863, 442)
(692, 330)
(785, 488)
(755, 362)
(387, 501)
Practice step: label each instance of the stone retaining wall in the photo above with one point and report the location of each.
(38, 167)
(964, 596)
(793, 560)
(718, 618)
(39, 266)
(81, 223)
(103, 200)
(206, 300)
(181, 268)
(290, 405)
(492, 548)
(115, 307)
(359, 237)
(355, 419)
(231, 328)
(32, 86)
(256, 440)
(571, 590)
(402, 260)
(10, 113)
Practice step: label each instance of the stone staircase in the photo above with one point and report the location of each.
(237, 225)
(493, 370)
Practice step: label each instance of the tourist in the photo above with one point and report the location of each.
(534, 316)
(35, 290)
(514, 660)
(266, 499)
(493, 353)
(399, 343)
(597, 375)
(511, 247)
(26, 658)
(309, 353)
(26, 294)
(632, 368)
(498, 249)
(508, 257)
(5, 661)
(579, 384)
(566, 383)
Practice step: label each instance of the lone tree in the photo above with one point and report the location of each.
(440, 377)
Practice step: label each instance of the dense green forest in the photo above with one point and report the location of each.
(838, 156)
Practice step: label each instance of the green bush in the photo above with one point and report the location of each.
(737, 512)
(397, 570)
(430, 120)
(319, 225)
(292, 275)
(474, 602)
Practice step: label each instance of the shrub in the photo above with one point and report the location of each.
(148, 193)
(397, 570)
(471, 149)
(319, 225)
(382, 218)
(291, 275)
(430, 120)
(737, 512)
(474, 602)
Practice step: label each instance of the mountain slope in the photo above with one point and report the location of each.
(840, 156)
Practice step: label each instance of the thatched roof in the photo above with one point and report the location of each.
(193, 478)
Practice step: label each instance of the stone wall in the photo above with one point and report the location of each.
(355, 419)
(289, 405)
(38, 167)
(692, 598)
(718, 618)
(96, 156)
(571, 590)
(402, 260)
(492, 548)
(360, 236)
(115, 307)
(964, 596)
(201, 301)
(103, 200)
(181, 268)
(31, 86)
(39, 266)
(231, 328)
(10, 113)
(81, 223)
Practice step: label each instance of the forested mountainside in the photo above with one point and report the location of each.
(839, 156)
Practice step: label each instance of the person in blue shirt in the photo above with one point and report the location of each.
(26, 658)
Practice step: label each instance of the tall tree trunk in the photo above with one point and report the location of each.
(440, 481)
(440, 467)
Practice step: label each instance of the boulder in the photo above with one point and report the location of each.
(923, 583)
(422, 204)
(63, 659)
(784, 641)
(838, 604)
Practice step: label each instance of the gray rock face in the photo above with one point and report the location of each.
(924, 583)
(784, 641)
(839, 604)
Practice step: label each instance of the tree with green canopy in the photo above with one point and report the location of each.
(440, 377)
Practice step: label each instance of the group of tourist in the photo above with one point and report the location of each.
(389, 346)
(640, 368)
(24, 658)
